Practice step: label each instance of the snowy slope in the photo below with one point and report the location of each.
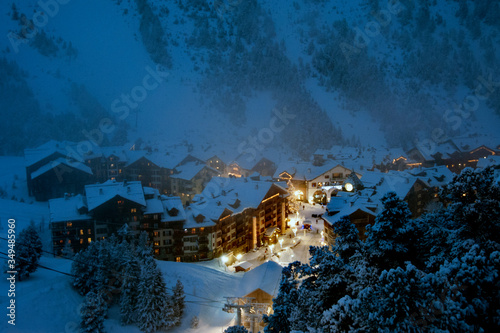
(47, 303)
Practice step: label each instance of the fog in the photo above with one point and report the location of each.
(217, 73)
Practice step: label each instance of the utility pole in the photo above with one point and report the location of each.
(237, 303)
(255, 315)
(253, 311)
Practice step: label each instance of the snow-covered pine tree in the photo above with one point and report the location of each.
(194, 322)
(178, 302)
(278, 321)
(236, 329)
(142, 246)
(93, 312)
(129, 291)
(388, 239)
(28, 251)
(473, 197)
(84, 268)
(347, 242)
(154, 312)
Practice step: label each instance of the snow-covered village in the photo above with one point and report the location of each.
(249, 166)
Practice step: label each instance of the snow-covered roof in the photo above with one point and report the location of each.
(245, 265)
(488, 161)
(168, 161)
(348, 210)
(133, 156)
(55, 163)
(192, 222)
(470, 143)
(306, 170)
(98, 194)
(434, 176)
(189, 170)
(64, 148)
(172, 209)
(234, 194)
(337, 203)
(153, 206)
(265, 277)
(69, 208)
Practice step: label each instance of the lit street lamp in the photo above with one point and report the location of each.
(224, 260)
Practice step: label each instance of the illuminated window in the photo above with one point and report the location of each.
(156, 233)
(69, 224)
(89, 240)
(178, 259)
(157, 243)
(120, 202)
(193, 231)
(81, 241)
(201, 229)
(81, 231)
(157, 251)
(89, 231)
(133, 210)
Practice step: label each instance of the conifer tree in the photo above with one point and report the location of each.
(236, 329)
(93, 313)
(28, 251)
(178, 302)
(129, 292)
(388, 239)
(154, 312)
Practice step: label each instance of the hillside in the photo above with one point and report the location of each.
(365, 72)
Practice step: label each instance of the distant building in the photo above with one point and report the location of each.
(190, 178)
(314, 183)
(239, 212)
(70, 223)
(50, 172)
(261, 284)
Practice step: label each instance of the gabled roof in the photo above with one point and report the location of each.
(62, 148)
(172, 209)
(434, 176)
(189, 170)
(99, 194)
(348, 210)
(60, 161)
(305, 170)
(488, 161)
(168, 161)
(68, 209)
(265, 277)
(233, 194)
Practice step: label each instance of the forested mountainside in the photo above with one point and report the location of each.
(362, 72)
